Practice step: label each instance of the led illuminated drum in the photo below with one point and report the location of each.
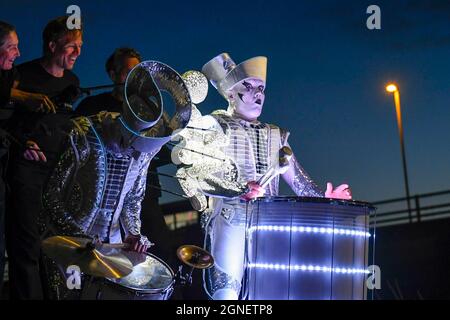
(307, 248)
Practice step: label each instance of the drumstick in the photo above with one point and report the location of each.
(276, 168)
(267, 177)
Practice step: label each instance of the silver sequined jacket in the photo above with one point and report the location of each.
(93, 192)
(241, 149)
(243, 152)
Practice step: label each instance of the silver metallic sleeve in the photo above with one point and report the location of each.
(299, 180)
(59, 191)
(131, 210)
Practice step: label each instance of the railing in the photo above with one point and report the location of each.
(424, 207)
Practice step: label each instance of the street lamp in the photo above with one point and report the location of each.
(392, 88)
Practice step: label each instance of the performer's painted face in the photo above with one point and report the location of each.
(248, 96)
(9, 51)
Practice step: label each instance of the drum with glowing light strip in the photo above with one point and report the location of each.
(307, 248)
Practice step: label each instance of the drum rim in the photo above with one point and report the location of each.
(144, 291)
(316, 200)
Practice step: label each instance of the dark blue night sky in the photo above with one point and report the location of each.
(326, 74)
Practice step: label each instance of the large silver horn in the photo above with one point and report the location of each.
(147, 126)
(143, 102)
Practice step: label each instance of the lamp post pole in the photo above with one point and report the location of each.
(393, 89)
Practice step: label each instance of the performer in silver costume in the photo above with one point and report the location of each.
(250, 150)
(99, 182)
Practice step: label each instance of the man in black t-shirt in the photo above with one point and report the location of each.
(10, 96)
(118, 65)
(51, 76)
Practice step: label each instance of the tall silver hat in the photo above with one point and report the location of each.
(145, 125)
(223, 73)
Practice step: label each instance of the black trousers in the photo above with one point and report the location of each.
(22, 230)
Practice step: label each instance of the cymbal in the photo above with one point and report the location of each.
(96, 260)
(195, 257)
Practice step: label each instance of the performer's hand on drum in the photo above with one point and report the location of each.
(138, 243)
(254, 191)
(341, 192)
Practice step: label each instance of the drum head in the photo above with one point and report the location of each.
(150, 275)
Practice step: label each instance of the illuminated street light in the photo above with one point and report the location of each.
(392, 88)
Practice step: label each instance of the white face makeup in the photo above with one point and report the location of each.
(247, 97)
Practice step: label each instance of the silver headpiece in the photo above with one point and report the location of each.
(223, 73)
